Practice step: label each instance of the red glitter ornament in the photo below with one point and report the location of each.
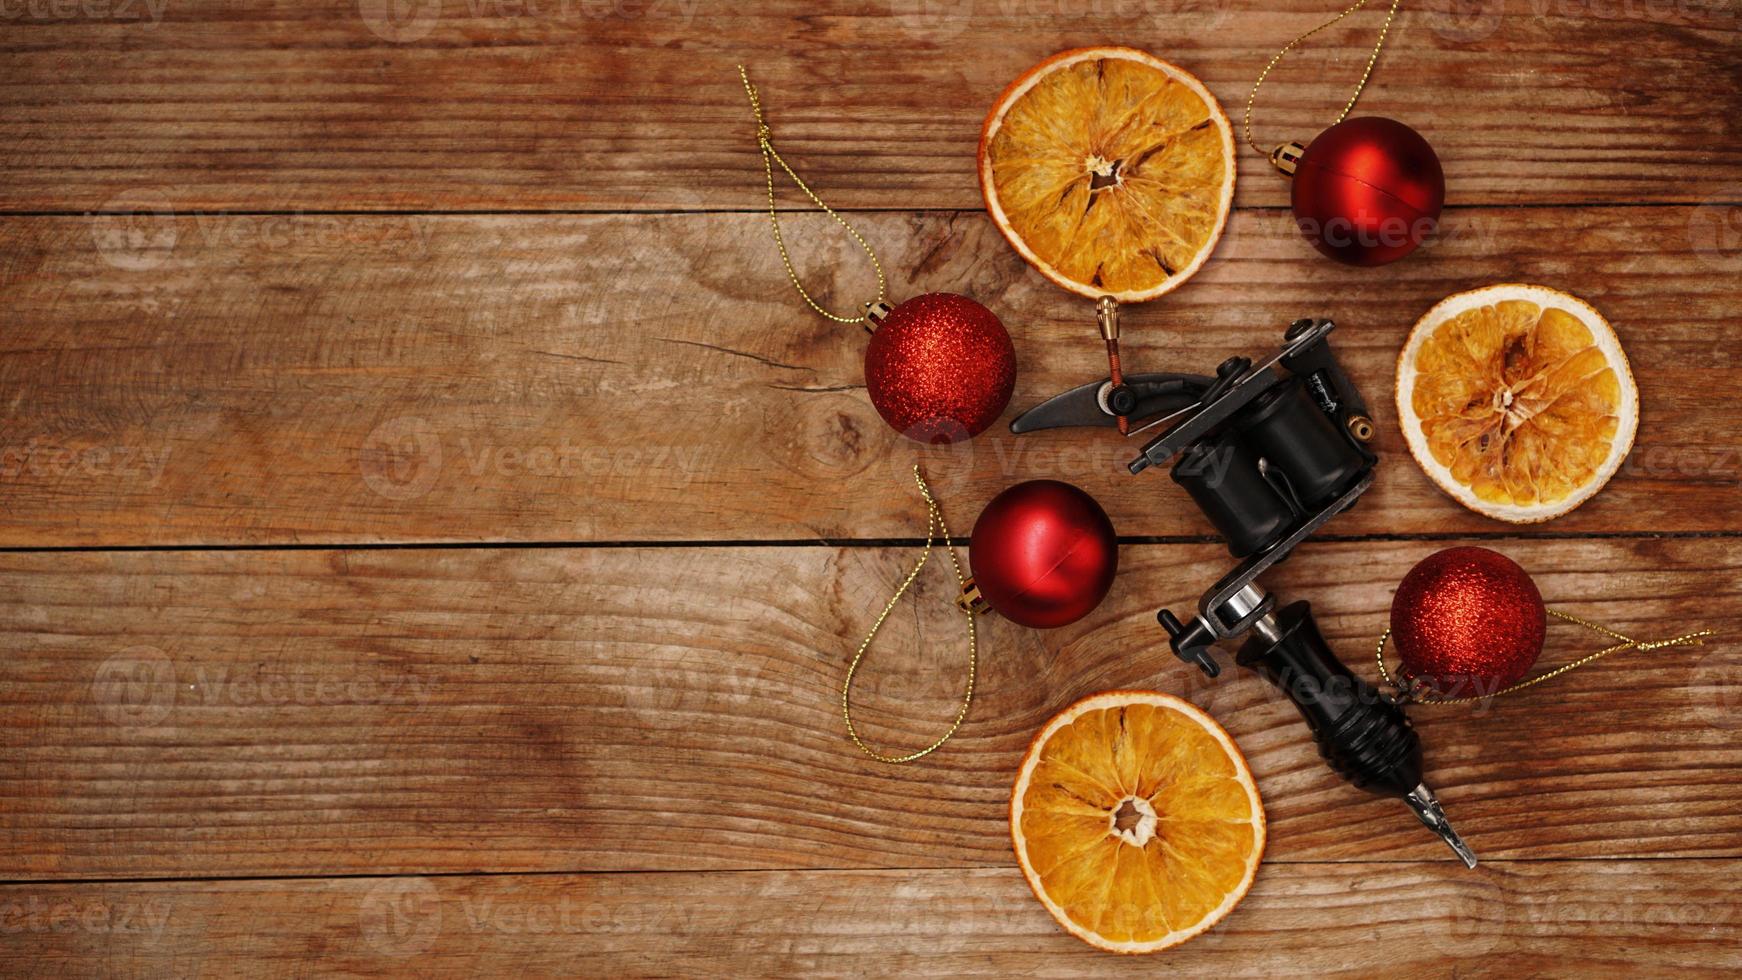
(1043, 553)
(1467, 621)
(1367, 192)
(940, 367)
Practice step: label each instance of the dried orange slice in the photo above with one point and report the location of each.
(1517, 400)
(1136, 821)
(1109, 170)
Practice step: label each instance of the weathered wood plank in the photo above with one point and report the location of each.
(1656, 917)
(614, 709)
(613, 104)
(249, 379)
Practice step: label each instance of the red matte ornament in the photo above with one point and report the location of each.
(940, 368)
(1467, 621)
(1367, 192)
(1043, 554)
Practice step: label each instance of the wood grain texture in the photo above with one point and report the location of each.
(617, 709)
(634, 104)
(283, 276)
(253, 379)
(1654, 918)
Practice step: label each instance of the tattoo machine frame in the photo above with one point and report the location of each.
(1269, 451)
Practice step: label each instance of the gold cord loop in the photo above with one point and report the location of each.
(1362, 84)
(1624, 643)
(934, 528)
(770, 157)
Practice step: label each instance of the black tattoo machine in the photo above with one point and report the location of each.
(1269, 451)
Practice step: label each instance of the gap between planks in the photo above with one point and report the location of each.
(610, 212)
(717, 872)
(960, 541)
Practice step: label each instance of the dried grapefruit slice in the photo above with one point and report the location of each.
(1109, 170)
(1136, 821)
(1517, 400)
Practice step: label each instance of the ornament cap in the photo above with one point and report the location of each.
(876, 312)
(1286, 158)
(971, 601)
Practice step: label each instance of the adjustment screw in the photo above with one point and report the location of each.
(1122, 400)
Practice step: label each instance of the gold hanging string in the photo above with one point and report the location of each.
(1362, 84)
(934, 529)
(1623, 643)
(770, 157)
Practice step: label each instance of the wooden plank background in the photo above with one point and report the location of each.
(648, 381)
(633, 104)
(431, 534)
